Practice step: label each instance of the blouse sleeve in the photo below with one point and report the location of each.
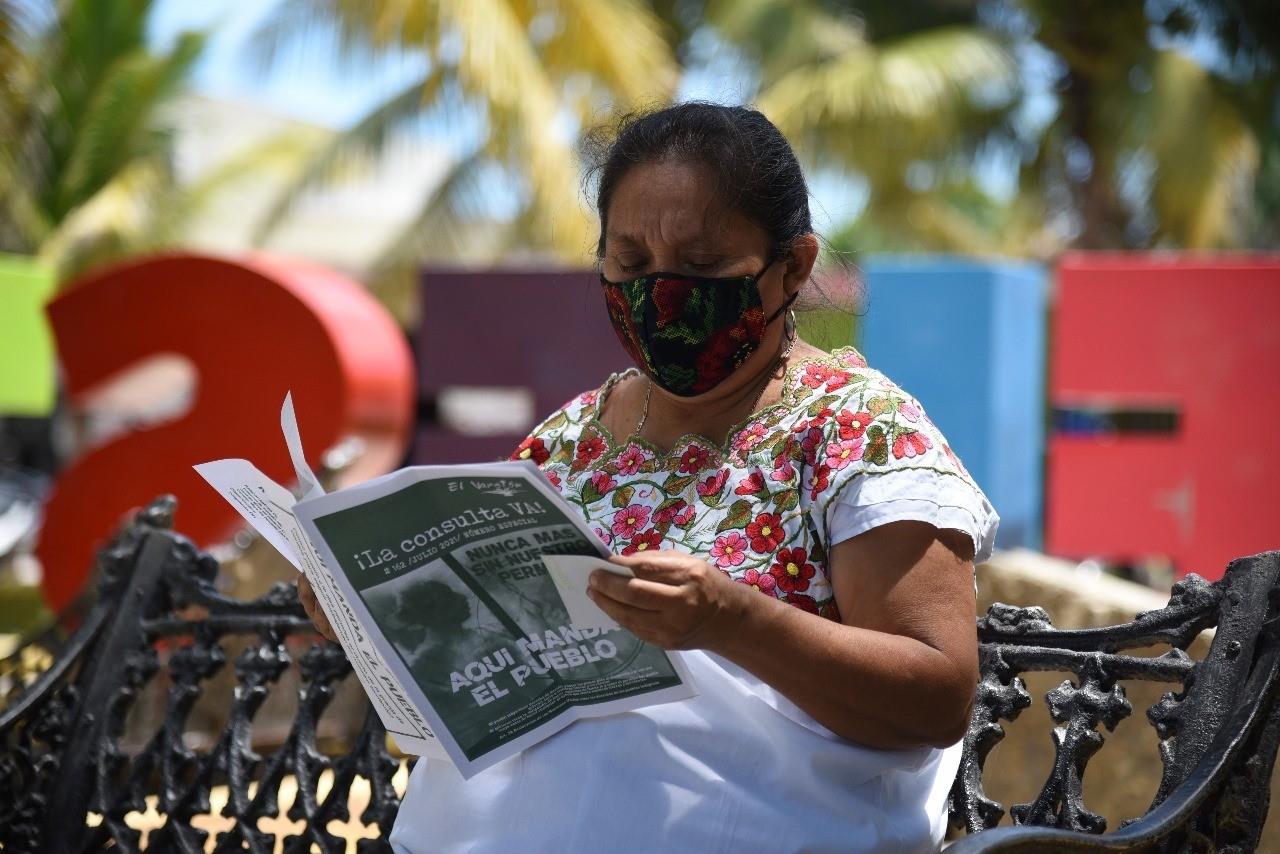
(882, 460)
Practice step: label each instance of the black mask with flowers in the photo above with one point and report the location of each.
(689, 333)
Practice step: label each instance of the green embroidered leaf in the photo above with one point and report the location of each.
(821, 403)
(738, 517)
(590, 494)
(877, 451)
(564, 454)
(787, 500)
(622, 496)
(676, 486)
(666, 505)
(878, 406)
(555, 422)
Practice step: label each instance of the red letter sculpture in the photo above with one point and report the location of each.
(253, 329)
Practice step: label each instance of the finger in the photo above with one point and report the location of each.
(637, 592)
(628, 616)
(306, 595)
(670, 566)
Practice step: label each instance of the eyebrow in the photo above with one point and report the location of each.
(698, 243)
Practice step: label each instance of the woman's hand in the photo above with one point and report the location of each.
(307, 597)
(675, 601)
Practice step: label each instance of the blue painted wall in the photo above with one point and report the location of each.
(966, 337)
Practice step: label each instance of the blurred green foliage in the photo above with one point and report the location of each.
(1013, 127)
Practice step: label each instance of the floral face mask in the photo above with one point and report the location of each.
(689, 333)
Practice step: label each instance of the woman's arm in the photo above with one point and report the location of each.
(898, 673)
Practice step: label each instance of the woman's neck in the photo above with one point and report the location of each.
(670, 417)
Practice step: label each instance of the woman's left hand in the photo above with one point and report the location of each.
(675, 601)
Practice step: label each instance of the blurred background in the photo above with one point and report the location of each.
(961, 155)
(1056, 224)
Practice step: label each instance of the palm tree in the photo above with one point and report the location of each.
(898, 101)
(1147, 146)
(85, 167)
(529, 74)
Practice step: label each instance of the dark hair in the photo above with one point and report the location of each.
(755, 170)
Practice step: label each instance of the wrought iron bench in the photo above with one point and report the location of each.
(86, 759)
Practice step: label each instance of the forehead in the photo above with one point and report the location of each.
(671, 202)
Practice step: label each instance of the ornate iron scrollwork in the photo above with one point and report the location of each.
(1218, 730)
(160, 629)
(68, 780)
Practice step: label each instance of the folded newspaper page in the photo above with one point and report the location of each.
(458, 595)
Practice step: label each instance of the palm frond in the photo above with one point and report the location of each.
(358, 146)
(1205, 156)
(913, 91)
(621, 42)
(783, 35)
(357, 30)
(116, 220)
(120, 122)
(499, 67)
(440, 228)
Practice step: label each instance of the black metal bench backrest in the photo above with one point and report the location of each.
(68, 780)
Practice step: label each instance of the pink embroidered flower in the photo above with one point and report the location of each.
(669, 512)
(838, 379)
(854, 359)
(531, 449)
(649, 540)
(792, 570)
(589, 449)
(729, 550)
(762, 581)
(802, 601)
(604, 535)
(630, 519)
(910, 444)
(840, 454)
(817, 375)
(951, 455)
(749, 437)
(753, 484)
(712, 485)
(630, 460)
(810, 443)
(766, 532)
(821, 480)
(602, 482)
(554, 478)
(853, 424)
(909, 411)
(694, 459)
(588, 398)
(685, 517)
(783, 471)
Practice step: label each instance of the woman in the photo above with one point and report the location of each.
(793, 521)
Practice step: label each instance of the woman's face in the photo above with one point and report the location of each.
(666, 217)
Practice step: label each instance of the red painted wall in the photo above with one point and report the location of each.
(1200, 337)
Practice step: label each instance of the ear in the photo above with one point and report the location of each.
(800, 261)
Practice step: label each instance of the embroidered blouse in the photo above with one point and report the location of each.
(739, 767)
(844, 450)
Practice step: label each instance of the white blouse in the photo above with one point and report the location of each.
(739, 767)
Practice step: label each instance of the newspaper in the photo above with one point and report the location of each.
(458, 594)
